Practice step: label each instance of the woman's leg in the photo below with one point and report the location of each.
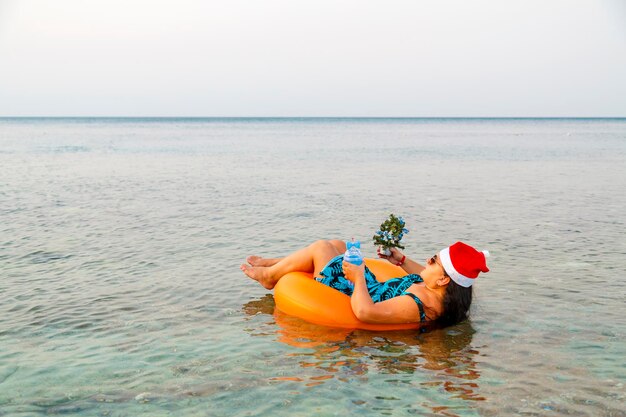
(339, 244)
(310, 259)
(254, 260)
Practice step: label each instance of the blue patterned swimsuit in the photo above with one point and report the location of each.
(332, 275)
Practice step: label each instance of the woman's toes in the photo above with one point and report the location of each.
(248, 270)
(253, 260)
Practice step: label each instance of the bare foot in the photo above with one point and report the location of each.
(260, 274)
(260, 261)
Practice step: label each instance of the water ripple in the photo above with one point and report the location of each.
(120, 246)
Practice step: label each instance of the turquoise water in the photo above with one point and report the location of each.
(120, 241)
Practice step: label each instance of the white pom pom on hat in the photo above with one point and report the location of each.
(463, 263)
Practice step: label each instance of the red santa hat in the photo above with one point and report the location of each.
(463, 263)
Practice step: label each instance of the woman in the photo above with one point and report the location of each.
(440, 291)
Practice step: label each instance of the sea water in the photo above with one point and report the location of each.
(121, 240)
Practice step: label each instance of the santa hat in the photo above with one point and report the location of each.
(463, 263)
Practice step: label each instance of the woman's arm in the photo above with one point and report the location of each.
(400, 309)
(412, 267)
(399, 259)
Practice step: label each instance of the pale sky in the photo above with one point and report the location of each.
(561, 58)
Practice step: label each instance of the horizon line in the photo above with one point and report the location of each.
(317, 117)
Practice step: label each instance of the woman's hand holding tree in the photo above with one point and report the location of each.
(396, 257)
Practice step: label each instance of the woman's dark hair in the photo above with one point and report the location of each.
(456, 304)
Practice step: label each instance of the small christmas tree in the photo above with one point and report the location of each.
(390, 234)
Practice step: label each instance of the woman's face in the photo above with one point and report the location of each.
(434, 275)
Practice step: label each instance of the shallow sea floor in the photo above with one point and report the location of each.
(120, 242)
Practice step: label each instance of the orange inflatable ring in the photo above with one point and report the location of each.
(298, 294)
